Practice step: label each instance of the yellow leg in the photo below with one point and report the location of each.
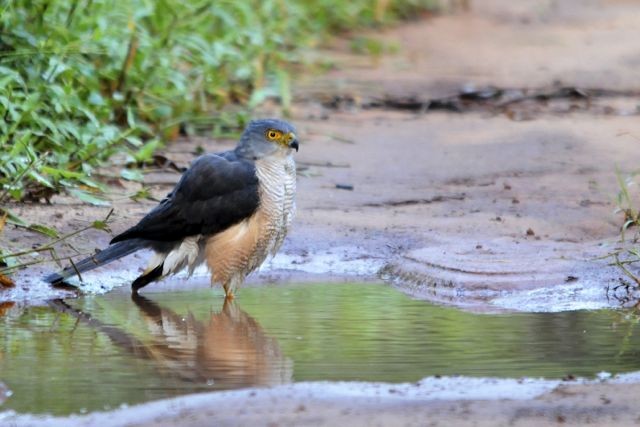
(228, 291)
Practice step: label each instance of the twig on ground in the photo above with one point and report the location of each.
(50, 247)
(626, 271)
(7, 270)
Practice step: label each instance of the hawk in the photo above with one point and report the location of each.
(229, 210)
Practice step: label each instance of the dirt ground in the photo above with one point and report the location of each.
(375, 404)
(476, 165)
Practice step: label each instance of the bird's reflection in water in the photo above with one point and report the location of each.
(230, 350)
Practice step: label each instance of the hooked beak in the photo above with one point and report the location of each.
(290, 138)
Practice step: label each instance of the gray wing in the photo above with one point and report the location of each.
(216, 192)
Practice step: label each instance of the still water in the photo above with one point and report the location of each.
(101, 352)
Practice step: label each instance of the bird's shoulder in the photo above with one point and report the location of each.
(215, 174)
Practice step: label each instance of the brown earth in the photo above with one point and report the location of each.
(516, 193)
(513, 194)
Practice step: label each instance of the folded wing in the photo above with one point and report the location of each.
(216, 192)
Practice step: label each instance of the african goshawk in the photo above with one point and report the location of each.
(229, 210)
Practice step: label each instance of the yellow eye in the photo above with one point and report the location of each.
(274, 134)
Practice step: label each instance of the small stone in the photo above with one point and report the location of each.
(348, 187)
(530, 232)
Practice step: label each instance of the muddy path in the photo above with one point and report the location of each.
(474, 167)
(486, 152)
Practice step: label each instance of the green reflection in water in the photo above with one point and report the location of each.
(99, 352)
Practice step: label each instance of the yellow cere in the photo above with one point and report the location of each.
(288, 138)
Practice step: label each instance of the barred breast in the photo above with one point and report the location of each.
(277, 177)
(239, 250)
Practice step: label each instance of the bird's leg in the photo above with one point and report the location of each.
(147, 277)
(231, 285)
(228, 291)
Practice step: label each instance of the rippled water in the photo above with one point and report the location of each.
(103, 351)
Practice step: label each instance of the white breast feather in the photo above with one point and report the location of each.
(277, 178)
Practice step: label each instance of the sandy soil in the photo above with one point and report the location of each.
(431, 402)
(494, 209)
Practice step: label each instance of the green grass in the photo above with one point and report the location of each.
(83, 80)
(90, 83)
(627, 201)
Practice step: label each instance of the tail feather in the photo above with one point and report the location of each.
(112, 253)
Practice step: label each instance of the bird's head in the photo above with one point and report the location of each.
(267, 137)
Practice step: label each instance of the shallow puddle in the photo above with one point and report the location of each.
(101, 352)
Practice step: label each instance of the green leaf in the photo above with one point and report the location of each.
(100, 225)
(7, 260)
(163, 111)
(95, 98)
(145, 153)
(42, 229)
(15, 219)
(40, 179)
(136, 142)
(61, 173)
(143, 193)
(87, 197)
(131, 175)
(131, 121)
(93, 184)
(16, 193)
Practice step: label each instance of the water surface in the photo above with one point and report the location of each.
(103, 351)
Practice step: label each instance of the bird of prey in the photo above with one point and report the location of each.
(229, 210)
